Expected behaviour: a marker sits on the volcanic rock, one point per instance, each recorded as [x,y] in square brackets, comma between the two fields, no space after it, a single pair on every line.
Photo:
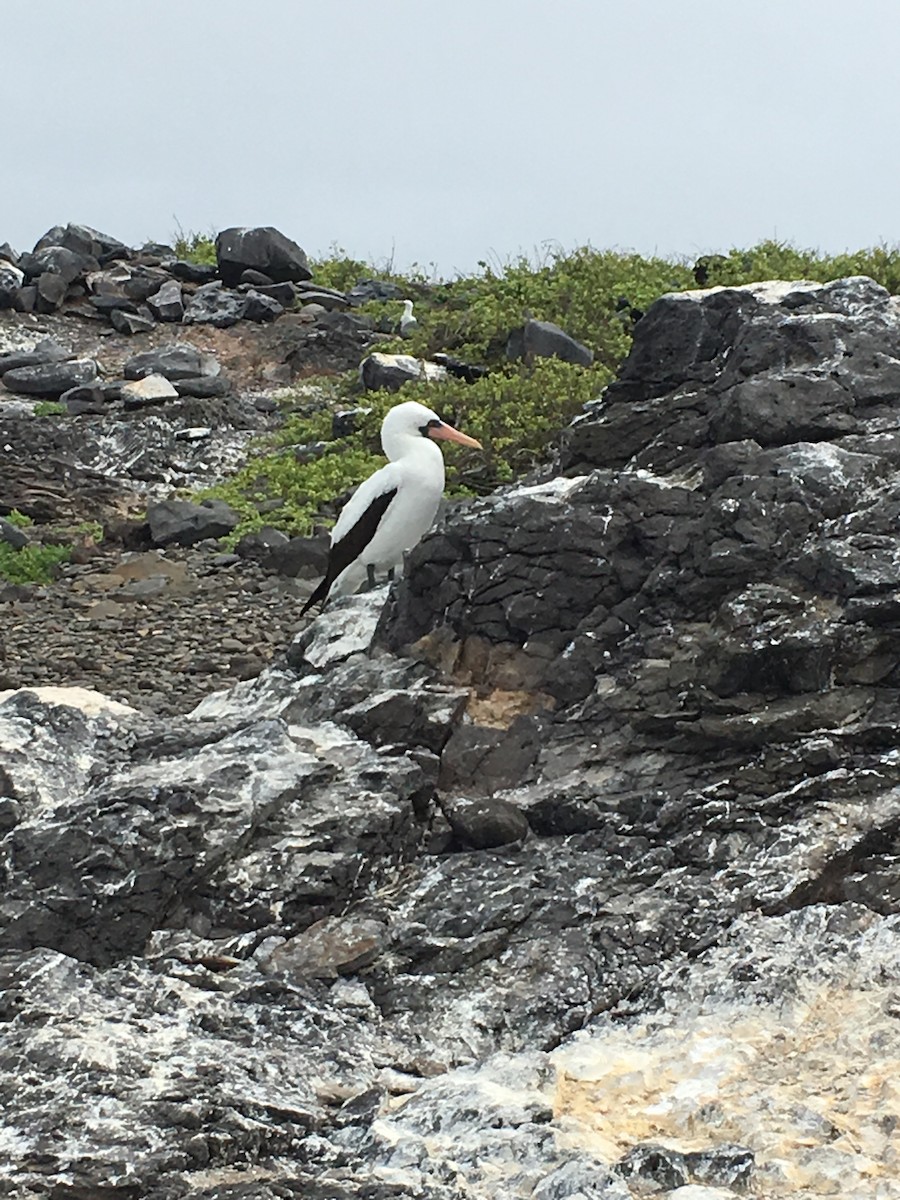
[167,304]
[49,379]
[177,360]
[543,339]
[213,304]
[150,389]
[260,249]
[183,523]
[391,371]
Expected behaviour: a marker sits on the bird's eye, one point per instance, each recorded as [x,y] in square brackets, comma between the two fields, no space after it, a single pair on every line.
[434,423]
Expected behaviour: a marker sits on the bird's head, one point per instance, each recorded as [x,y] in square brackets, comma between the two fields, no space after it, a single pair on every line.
[412,419]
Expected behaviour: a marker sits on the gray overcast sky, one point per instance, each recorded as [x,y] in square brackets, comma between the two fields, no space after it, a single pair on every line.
[445,132]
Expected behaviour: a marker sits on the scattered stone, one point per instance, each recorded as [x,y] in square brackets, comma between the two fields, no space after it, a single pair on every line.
[373,289]
[84,241]
[485,823]
[300,556]
[261,308]
[11,279]
[25,299]
[51,291]
[177,360]
[260,544]
[203,387]
[284,293]
[131,322]
[12,535]
[255,278]
[57,260]
[213,304]
[181,523]
[260,249]
[167,304]
[46,351]
[191,272]
[50,379]
[151,389]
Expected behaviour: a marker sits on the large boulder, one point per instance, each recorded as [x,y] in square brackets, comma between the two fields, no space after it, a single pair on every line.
[260,249]
[181,523]
[177,360]
[543,339]
[50,380]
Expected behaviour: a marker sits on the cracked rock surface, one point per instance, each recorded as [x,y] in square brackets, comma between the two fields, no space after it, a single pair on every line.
[566,868]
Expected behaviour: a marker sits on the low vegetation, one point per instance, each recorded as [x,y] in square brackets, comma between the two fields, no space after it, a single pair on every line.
[31,564]
[516,410]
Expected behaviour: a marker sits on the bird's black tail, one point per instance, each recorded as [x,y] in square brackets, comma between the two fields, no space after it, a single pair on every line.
[320,593]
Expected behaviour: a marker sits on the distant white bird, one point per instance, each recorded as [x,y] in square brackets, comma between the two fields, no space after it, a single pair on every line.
[408,323]
[393,509]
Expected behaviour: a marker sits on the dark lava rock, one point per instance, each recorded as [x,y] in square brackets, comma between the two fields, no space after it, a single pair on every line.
[203,386]
[663,1168]
[213,304]
[191,272]
[51,291]
[389,372]
[12,535]
[180,523]
[261,308]
[543,339]
[167,304]
[345,422]
[284,293]
[84,241]
[46,351]
[57,260]
[260,249]
[177,360]
[11,279]
[255,278]
[25,299]
[374,289]
[300,556]
[484,824]
[7,254]
[260,544]
[50,379]
[91,397]
[131,322]
[459,369]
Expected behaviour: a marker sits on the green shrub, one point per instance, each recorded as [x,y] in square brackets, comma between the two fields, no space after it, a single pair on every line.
[31,564]
[516,410]
[196,247]
[49,408]
[21,520]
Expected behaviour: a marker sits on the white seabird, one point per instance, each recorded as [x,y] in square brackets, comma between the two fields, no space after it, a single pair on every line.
[393,509]
[408,323]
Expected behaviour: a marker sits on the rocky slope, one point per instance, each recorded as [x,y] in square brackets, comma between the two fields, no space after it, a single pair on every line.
[568,868]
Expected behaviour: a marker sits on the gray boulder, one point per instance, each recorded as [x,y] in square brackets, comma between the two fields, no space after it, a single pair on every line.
[389,372]
[213,304]
[167,303]
[12,535]
[177,360]
[181,523]
[51,379]
[260,249]
[543,339]
[84,241]
[11,279]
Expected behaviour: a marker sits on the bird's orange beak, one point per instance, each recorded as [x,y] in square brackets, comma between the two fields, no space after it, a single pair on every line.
[446,433]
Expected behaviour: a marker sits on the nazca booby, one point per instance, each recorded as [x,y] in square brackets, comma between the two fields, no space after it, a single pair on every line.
[393,509]
[408,323]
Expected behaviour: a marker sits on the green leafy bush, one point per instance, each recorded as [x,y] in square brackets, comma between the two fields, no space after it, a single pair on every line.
[196,247]
[49,408]
[31,564]
[20,519]
[516,410]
